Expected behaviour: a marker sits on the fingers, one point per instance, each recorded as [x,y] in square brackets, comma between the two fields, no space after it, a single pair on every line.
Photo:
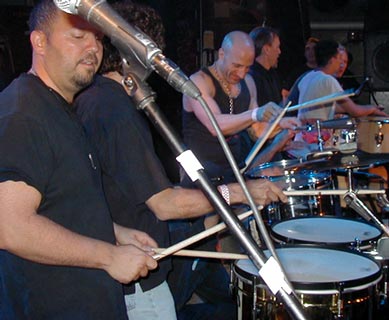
[268,112]
[128,263]
[264,191]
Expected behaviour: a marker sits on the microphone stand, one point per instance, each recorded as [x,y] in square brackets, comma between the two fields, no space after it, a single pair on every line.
[270,271]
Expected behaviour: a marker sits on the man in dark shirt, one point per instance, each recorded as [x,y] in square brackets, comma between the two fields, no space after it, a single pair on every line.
[264,73]
[267,51]
[136,187]
[61,255]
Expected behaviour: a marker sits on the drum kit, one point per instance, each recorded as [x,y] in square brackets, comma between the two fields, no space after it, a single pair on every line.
[336,261]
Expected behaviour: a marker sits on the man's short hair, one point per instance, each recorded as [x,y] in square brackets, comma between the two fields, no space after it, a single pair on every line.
[325,50]
[42,16]
[262,36]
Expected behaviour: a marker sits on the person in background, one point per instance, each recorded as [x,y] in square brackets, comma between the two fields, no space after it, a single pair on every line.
[264,70]
[264,73]
[138,192]
[62,257]
[345,77]
[309,65]
[322,82]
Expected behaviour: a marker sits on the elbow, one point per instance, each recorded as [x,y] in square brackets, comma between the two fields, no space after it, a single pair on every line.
[5,241]
[212,131]
[162,215]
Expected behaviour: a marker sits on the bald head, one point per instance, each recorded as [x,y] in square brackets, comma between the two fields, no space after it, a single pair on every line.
[236,55]
[237,39]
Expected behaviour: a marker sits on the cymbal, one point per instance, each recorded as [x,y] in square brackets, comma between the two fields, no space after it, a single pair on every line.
[358,159]
[341,123]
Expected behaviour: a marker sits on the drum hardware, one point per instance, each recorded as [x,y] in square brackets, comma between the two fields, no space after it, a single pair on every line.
[320,139]
[356,204]
[383,202]
[379,137]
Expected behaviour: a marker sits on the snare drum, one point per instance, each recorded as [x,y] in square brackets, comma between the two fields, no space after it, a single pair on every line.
[288,175]
[372,132]
[276,168]
[328,282]
[326,230]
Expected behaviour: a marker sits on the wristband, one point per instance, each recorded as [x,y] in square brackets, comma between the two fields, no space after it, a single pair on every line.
[225,193]
[254,114]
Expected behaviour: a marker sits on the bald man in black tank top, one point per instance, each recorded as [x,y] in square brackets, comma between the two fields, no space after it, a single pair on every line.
[230,93]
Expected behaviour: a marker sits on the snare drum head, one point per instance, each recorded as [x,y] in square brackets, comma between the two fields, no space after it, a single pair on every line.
[328,230]
[311,268]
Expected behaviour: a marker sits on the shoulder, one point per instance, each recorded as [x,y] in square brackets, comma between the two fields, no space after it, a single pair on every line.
[204,81]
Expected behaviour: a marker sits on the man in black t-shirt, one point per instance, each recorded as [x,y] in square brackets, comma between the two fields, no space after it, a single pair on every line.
[61,255]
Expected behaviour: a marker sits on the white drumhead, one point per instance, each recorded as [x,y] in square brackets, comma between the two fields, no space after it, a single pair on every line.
[318,265]
[329,230]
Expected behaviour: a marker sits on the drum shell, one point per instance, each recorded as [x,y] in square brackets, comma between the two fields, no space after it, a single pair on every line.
[370,131]
[320,301]
[301,206]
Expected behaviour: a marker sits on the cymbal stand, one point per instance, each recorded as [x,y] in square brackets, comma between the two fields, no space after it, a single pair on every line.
[355,203]
[320,140]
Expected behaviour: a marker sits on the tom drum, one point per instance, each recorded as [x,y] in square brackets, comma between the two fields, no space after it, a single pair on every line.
[333,231]
[373,134]
[330,283]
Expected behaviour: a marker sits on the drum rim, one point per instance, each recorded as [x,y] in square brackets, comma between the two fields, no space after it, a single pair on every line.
[325,176]
[274,164]
[284,238]
[321,287]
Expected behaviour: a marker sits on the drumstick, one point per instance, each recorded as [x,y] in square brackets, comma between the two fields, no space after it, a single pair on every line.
[201,235]
[205,254]
[329,192]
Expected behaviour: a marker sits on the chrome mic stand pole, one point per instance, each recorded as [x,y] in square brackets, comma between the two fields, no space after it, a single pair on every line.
[270,271]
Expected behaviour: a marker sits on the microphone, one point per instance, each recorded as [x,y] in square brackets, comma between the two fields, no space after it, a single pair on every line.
[130,41]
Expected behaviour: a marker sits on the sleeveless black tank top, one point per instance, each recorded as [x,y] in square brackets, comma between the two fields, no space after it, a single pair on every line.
[205,146]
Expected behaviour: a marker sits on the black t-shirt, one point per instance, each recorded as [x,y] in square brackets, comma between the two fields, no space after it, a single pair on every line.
[132,172]
[43,145]
[267,83]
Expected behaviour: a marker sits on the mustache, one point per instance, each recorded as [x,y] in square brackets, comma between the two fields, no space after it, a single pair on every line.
[90,57]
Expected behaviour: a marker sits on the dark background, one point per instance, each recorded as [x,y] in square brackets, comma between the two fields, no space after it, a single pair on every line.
[195,28]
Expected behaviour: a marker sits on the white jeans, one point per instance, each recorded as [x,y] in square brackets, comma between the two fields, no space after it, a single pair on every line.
[154,304]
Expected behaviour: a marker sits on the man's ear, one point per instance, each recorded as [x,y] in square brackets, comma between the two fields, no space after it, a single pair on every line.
[38,41]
